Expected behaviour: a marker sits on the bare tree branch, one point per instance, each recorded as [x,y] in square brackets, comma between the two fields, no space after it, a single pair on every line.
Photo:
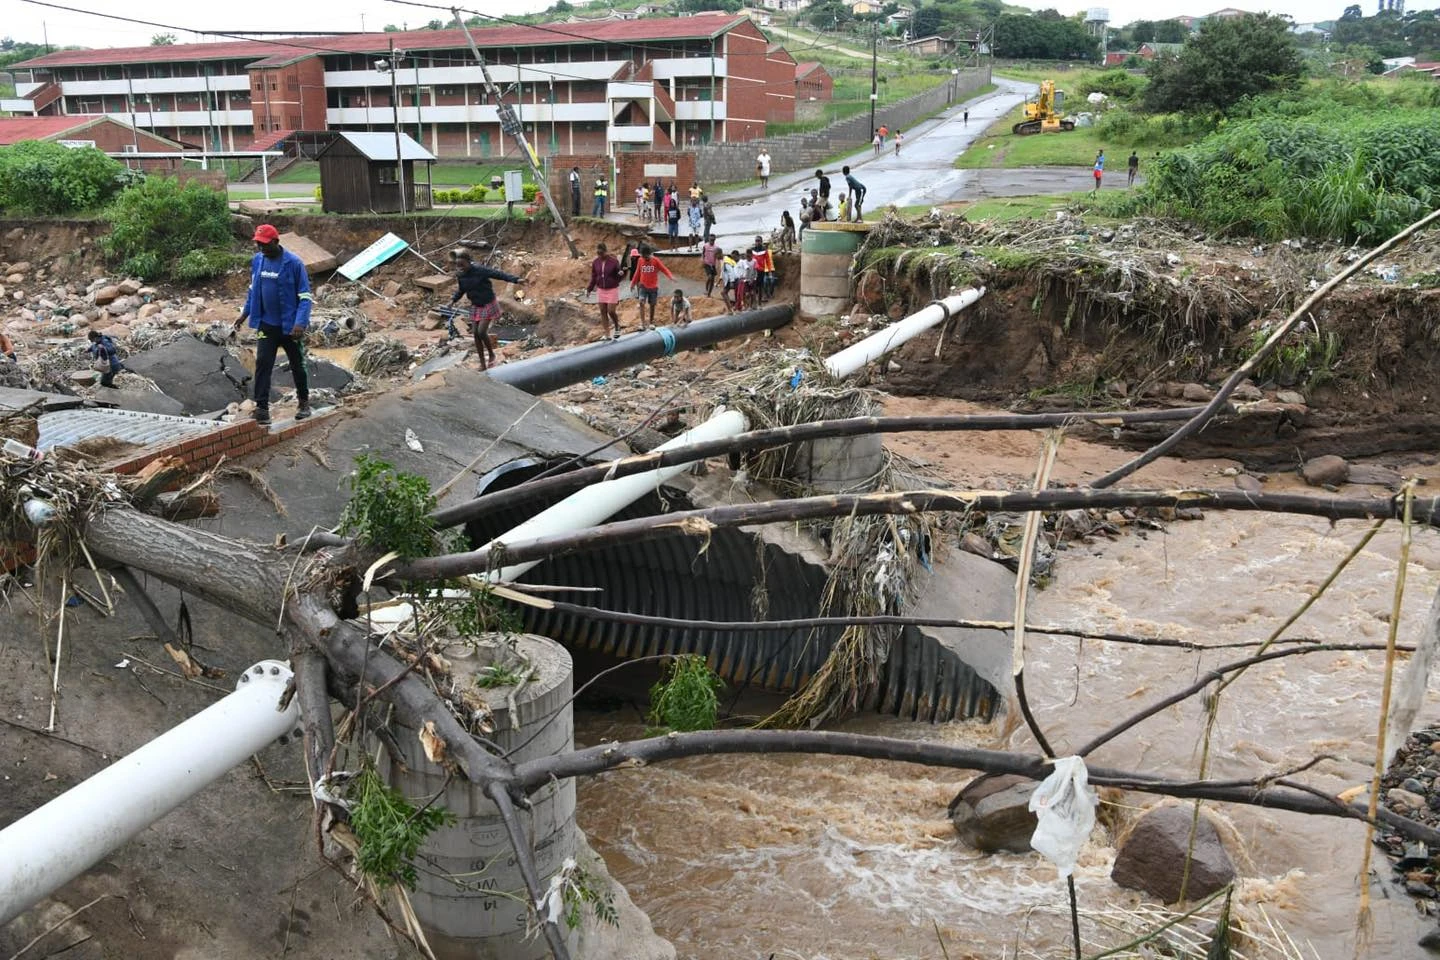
[639,753]
[781,436]
[700,523]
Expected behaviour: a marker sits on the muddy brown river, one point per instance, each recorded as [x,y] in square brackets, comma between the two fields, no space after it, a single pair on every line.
[741,857]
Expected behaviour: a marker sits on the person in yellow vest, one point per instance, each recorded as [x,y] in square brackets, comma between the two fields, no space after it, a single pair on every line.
[602,191]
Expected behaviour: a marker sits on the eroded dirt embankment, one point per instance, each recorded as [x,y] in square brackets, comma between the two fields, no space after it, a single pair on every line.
[1076,317]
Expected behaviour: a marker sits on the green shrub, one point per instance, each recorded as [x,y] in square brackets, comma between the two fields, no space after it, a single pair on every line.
[204,263]
[48,179]
[1352,174]
[319,196]
[686,698]
[389,509]
[476,194]
[529,192]
[156,224]
[1115,84]
[1158,130]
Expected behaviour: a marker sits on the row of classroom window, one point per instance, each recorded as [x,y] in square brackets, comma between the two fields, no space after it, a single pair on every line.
[376,97]
[580,53]
[450,139]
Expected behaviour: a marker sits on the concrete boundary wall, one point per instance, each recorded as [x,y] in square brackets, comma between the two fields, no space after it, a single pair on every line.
[735,162]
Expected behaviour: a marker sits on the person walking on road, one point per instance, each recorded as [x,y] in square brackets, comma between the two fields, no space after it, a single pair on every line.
[899,141]
[884,132]
[877,143]
[605,276]
[1099,169]
[574,191]
[762,167]
[645,282]
[472,282]
[278,307]
[1132,167]
[857,194]
[967,118]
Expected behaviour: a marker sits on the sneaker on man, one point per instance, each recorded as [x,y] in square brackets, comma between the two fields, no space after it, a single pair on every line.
[304,413]
[261,414]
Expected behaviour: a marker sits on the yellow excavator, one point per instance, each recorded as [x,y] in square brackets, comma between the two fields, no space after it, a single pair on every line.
[1043,114]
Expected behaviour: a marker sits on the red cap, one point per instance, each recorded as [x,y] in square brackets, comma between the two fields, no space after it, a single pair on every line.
[266,234]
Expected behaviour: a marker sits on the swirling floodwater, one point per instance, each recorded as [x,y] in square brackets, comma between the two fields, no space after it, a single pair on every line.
[831,858]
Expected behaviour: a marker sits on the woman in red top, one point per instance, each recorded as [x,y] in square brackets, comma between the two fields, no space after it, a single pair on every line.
[647,279]
[605,276]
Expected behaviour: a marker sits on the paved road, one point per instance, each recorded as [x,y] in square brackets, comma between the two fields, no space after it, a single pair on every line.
[922,173]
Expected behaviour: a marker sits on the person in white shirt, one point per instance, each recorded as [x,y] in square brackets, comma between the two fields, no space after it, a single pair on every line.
[762,167]
[574,191]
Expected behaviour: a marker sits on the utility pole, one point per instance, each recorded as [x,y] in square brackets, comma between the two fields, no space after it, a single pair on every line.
[395,116]
[874,83]
[511,125]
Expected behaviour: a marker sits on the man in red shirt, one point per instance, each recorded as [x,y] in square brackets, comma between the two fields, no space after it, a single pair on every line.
[647,278]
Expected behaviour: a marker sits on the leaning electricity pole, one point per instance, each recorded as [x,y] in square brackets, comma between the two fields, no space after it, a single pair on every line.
[511,125]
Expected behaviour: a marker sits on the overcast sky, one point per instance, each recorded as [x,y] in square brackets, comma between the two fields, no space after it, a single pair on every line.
[29,22]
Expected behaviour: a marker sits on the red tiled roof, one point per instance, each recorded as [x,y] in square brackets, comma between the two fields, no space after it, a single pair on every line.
[699,27]
[801,69]
[15,129]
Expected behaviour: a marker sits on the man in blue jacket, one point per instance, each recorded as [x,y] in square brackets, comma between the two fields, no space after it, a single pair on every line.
[279,308]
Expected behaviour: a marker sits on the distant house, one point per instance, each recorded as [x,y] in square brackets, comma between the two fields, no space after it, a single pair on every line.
[903,13]
[1419,66]
[932,46]
[864,8]
[649,10]
[359,173]
[1322,29]
[1116,58]
[785,6]
[1159,51]
[813,82]
[1187,22]
[1227,12]
[102,132]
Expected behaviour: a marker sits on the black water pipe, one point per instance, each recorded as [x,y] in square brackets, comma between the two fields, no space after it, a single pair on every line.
[560,369]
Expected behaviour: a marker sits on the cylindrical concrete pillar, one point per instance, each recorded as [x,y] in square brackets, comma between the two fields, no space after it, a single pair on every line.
[826,256]
[470,898]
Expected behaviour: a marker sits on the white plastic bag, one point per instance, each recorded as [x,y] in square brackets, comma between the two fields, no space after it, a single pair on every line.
[1065,806]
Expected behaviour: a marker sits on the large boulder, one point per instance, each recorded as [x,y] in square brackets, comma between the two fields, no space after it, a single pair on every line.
[1151,857]
[993,813]
[1326,471]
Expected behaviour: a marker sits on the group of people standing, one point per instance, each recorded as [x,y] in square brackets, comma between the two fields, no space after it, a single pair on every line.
[664,205]
[818,206]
